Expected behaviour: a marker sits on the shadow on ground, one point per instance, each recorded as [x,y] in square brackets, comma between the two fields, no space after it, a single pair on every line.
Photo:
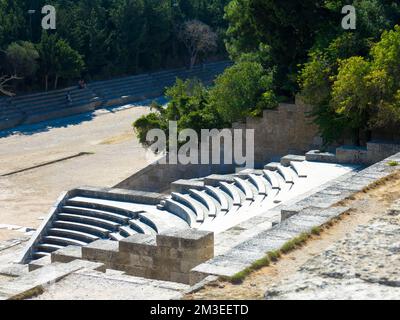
[73,120]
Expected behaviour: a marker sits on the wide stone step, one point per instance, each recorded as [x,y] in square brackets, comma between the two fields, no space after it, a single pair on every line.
[72,234]
[100,204]
[127,231]
[245,187]
[260,183]
[63,241]
[233,191]
[107,224]
[192,204]
[299,168]
[141,227]
[163,220]
[116,236]
[207,200]
[81,227]
[181,211]
[272,178]
[220,196]
[47,247]
[114,217]
[286,173]
[40,254]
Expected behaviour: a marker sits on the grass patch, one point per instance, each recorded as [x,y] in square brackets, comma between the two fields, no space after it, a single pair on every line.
[392,163]
[34,292]
[274,255]
[316,231]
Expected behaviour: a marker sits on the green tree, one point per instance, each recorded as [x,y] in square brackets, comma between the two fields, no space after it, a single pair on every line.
[58,59]
[351,95]
[22,57]
[68,62]
[242,90]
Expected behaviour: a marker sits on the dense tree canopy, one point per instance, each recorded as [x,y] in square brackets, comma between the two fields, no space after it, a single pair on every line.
[105,38]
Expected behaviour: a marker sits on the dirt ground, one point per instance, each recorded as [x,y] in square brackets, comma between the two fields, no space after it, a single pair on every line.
[366,206]
[112,153]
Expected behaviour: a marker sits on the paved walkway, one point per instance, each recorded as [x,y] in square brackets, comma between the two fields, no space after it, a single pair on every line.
[113,154]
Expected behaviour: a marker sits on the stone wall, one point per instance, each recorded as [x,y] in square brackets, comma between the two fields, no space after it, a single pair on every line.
[169,256]
[278,133]
[285,130]
[158,177]
[374,152]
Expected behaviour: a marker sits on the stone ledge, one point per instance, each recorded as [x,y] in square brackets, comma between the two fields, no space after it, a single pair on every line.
[317,156]
[16,289]
[67,254]
[286,160]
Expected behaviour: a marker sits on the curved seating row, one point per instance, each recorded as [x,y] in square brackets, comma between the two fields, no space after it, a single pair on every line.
[85,218]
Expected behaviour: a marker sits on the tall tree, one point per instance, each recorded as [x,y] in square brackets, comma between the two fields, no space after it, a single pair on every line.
[198,39]
[22,58]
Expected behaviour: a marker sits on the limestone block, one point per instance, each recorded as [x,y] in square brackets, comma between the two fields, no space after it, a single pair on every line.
[37,264]
[351,154]
[102,250]
[186,239]
[318,156]
[139,244]
[67,254]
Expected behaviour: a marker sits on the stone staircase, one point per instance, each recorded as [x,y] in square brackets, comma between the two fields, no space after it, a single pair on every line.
[33,108]
[214,203]
[145,86]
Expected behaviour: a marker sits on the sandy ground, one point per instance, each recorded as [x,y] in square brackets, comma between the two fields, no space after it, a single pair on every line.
[107,135]
[367,206]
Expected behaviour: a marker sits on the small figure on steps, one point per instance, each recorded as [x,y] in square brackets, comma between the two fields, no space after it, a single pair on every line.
[69,98]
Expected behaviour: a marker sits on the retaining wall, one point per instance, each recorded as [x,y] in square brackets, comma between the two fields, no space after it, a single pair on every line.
[169,256]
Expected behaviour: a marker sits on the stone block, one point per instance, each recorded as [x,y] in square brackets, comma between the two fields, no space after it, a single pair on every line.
[67,254]
[102,250]
[139,244]
[352,154]
[286,160]
[39,263]
[318,156]
[186,239]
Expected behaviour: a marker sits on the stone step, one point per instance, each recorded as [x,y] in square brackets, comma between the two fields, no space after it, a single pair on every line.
[116,236]
[220,196]
[141,227]
[47,247]
[233,191]
[207,200]
[260,182]
[40,254]
[114,217]
[81,227]
[101,204]
[272,178]
[181,211]
[163,220]
[244,185]
[72,234]
[62,241]
[192,204]
[107,224]
[299,168]
[286,173]
[286,160]
[127,231]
